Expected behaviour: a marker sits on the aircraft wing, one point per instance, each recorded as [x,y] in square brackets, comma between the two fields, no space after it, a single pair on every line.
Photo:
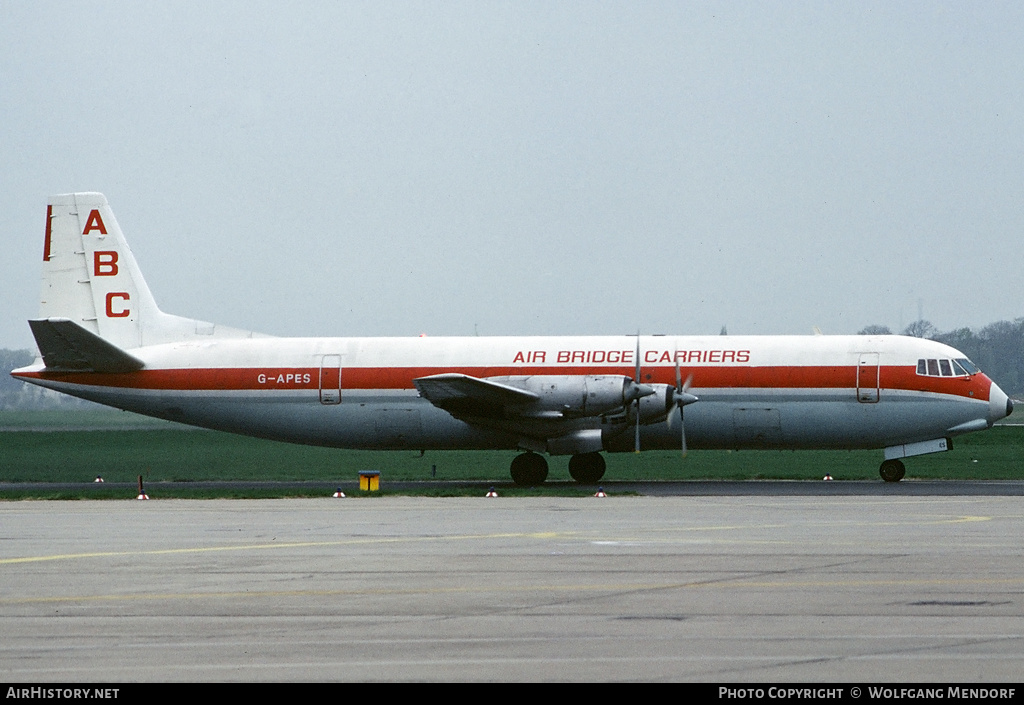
[463,395]
[66,345]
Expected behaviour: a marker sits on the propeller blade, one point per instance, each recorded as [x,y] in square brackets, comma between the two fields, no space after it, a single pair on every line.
[683,387]
[636,419]
[637,373]
[682,397]
[636,425]
[682,431]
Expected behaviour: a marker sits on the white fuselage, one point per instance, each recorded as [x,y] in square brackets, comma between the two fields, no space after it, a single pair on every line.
[754,391]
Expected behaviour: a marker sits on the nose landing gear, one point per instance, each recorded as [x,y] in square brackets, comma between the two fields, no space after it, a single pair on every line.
[892,470]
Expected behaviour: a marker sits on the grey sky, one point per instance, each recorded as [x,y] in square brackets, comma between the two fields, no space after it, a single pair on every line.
[528,168]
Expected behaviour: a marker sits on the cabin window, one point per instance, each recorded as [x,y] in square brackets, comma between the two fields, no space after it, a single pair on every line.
[946,368]
[933,368]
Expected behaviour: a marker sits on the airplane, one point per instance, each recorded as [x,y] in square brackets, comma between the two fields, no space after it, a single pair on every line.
[102,337]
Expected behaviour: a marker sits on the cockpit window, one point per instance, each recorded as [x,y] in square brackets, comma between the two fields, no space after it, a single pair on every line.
[969,366]
[961,367]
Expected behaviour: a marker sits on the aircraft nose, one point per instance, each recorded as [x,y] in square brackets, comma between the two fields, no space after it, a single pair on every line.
[999,405]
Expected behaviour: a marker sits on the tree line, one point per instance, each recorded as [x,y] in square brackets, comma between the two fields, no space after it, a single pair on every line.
[15,394]
[998,348]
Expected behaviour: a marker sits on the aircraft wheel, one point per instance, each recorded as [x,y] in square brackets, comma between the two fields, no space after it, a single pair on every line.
[892,471]
[587,468]
[529,469]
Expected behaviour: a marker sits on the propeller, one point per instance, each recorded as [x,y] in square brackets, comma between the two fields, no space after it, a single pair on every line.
[636,408]
[681,397]
[642,390]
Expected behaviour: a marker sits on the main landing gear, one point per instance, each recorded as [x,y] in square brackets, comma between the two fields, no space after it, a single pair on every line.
[531,469]
[892,471]
[587,468]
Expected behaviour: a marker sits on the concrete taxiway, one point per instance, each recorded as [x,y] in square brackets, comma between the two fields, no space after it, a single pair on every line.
[872,587]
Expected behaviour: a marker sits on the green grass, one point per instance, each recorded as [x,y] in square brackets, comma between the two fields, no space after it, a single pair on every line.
[128,447]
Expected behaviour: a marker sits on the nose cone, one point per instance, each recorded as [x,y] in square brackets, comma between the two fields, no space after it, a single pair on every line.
[999,405]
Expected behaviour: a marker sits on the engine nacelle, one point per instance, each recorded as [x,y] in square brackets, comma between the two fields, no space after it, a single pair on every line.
[579,395]
[657,406]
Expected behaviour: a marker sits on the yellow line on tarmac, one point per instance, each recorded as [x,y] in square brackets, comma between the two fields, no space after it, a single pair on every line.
[413,539]
[283,544]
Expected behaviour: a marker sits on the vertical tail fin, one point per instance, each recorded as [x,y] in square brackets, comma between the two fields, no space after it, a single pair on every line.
[89,273]
[90,277]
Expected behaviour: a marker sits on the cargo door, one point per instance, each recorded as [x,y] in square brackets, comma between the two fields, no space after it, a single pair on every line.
[330,379]
[867,378]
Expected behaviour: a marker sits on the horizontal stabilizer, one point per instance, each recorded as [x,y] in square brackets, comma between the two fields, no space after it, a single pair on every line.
[65,345]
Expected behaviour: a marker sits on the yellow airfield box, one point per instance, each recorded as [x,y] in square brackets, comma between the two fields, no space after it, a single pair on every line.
[369,480]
